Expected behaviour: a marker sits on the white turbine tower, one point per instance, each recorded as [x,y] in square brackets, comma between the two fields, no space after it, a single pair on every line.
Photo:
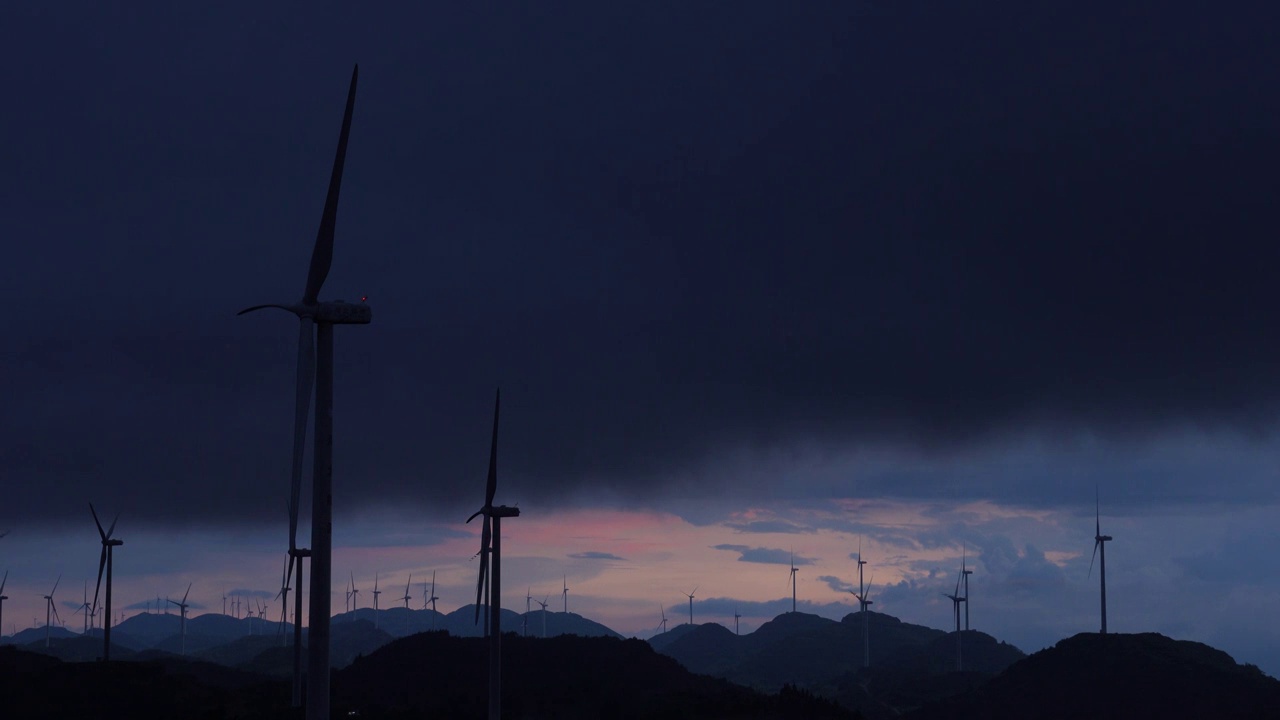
[315,366]
[433,600]
[50,608]
[491,544]
[1100,543]
[182,608]
[543,603]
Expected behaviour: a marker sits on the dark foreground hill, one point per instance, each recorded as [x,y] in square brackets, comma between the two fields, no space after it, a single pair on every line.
[910,664]
[36,687]
[1119,676]
[435,675]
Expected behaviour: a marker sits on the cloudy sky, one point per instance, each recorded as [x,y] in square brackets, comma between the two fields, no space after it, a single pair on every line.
[754,280]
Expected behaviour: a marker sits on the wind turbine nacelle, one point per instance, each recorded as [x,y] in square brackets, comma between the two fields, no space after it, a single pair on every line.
[343,313]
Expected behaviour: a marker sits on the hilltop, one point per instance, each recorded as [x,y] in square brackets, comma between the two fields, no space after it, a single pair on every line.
[1144,675]
[910,664]
[565,677]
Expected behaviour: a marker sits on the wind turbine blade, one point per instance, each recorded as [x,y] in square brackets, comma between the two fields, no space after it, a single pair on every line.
[95,522]
[433,583]
[322,254]
[102,563]
[301,411]
[1094,557]
[6,579]
[491,486]
[55,585]
[1097,512]
[185,594]
[484,564]
[111,530]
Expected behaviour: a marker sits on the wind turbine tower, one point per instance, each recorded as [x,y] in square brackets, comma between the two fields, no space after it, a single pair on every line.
[965,572]
[315,366]
[48,608]
[491,545]
[1100,544]
[543,603]
[433,600]
[105,561]
[3,597]
[793,581]
[182,608]
[956,598]
[690,596]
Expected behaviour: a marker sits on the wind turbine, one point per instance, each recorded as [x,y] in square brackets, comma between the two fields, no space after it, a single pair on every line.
[406,597]
[49,607]
[956,599]
[864,602]
[793,582]
[348,601]
[735,621]
[528,598]
[491,544]
[315,365]
[105,560]
[965,572]
[182,609]
[355,593]
[1100,542]
[543,603]
[565,583]
[376,593]
[690,596]
[433,600]
[84,608]
[664,617]
[283,596]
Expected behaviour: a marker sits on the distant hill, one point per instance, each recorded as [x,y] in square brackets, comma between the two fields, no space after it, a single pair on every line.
[1119,676]
[566,677]
[910,664]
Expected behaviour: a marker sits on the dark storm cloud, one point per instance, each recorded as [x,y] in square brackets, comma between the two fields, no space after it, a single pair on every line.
[593,555]
[664,230]
[771,556]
